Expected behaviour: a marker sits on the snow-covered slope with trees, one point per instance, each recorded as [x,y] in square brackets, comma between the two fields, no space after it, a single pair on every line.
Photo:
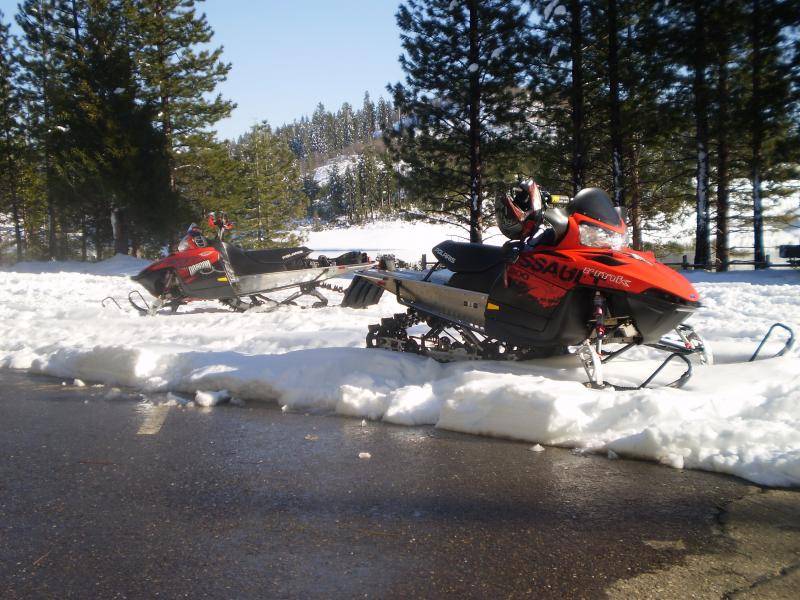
[735,417]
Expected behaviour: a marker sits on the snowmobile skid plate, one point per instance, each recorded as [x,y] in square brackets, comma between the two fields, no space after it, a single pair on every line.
[246,285]
[464,307]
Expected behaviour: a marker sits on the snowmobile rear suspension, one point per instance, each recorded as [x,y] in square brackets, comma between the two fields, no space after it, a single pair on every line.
[445,341]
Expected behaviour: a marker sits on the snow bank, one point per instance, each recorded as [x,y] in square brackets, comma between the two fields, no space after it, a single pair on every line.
[735,418]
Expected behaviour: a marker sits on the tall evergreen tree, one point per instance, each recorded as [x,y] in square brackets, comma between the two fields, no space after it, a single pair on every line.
[272,196]
[11,139]
[464,102]
[369,123]
[615,104]
[111,158]
[178,69]
[772,136]
[40,84]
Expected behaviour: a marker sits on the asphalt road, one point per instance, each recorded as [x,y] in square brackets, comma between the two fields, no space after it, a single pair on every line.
[102,495]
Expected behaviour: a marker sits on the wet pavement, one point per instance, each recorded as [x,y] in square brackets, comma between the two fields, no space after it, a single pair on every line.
[102,495]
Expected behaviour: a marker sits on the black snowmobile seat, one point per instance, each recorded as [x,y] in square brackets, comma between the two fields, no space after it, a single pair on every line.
[254,262]
[463,257]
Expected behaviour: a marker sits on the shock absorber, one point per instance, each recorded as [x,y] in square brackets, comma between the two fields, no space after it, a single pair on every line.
[599,321]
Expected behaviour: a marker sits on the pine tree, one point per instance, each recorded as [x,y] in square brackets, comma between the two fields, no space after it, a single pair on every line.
[729,25]
[11,139]
[615,105]
[178,71]
[772,136]
[464,102]
[39,82]
[384,115]
[369,124]
[272,196]
[318,133]
[211,178]
[110,158]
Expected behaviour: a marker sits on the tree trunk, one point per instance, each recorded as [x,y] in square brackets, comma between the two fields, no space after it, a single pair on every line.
[119,225]
[63,245]
[99,218]
[756,137]
[475,175]
[723,176]
[18,238]
[15,212]
[702,253]
[576,98]
[635,213]
[84,239]
[617,170]
[52,241]
[165,99]
[135,241]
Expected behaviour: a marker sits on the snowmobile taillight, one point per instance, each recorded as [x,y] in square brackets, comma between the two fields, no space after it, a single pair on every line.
[595,236]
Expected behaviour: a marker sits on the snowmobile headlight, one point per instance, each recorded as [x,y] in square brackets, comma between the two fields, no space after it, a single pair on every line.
[600,237]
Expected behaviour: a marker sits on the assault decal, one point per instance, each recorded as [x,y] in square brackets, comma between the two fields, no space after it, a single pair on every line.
[539,264]
[203,267]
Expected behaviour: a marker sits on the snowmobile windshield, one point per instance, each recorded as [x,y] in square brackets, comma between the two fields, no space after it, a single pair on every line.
[185,243]
[595,204]
[193,239]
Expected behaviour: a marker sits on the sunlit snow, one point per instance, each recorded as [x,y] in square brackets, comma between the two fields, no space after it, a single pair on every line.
[735,417]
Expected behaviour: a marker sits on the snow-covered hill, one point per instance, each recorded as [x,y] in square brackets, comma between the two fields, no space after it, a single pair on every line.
[323,173]
[736,417]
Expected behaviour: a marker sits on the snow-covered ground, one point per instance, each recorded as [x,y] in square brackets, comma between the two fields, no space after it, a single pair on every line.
[681,230]
[407,240]
[735,417]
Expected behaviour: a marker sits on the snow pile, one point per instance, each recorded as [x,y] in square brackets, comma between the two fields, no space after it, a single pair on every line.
[202,398]
[736,417]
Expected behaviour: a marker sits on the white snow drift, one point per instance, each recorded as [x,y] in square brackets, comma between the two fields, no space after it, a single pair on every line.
[736,417]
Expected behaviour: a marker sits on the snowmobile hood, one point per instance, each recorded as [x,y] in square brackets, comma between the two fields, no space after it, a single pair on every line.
[631,271]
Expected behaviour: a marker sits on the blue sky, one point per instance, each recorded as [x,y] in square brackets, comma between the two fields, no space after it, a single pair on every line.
[288,55]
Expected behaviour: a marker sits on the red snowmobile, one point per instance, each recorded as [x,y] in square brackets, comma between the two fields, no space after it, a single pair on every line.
[204,269]
[567,281]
